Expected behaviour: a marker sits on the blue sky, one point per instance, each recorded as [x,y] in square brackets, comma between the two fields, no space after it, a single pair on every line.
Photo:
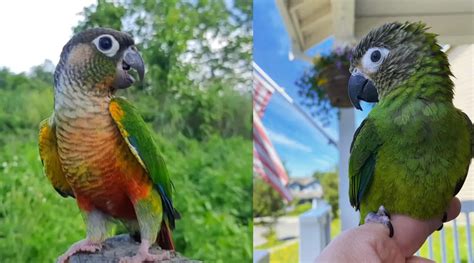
[300,146]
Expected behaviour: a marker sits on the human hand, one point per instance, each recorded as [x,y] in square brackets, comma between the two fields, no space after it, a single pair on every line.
[371,242]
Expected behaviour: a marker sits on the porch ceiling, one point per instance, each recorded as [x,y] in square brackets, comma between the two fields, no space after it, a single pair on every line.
[311,21]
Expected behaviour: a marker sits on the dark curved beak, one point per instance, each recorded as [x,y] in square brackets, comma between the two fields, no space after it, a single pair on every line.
[361,88]
[132,58]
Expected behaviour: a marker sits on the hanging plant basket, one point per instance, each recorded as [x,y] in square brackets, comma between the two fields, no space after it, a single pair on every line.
[323,87]
[336,85]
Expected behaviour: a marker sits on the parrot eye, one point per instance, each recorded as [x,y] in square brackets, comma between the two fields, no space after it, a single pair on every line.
[107,44]
[373,58]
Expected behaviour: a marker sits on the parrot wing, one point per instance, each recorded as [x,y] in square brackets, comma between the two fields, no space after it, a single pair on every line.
[470,126]
[141,143]
[48,149]
[364,148]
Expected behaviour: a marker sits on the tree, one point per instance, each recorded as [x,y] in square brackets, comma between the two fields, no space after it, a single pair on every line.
[266,200]
[330,183]
[198,53]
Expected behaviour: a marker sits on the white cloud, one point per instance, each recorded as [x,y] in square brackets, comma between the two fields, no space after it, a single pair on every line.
[282,139]
[33,31]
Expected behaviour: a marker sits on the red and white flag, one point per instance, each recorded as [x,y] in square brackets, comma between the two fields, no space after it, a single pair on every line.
[266,162]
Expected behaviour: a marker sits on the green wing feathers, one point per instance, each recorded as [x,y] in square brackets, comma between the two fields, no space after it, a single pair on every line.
[48,149]
[140,141]
[471,128]
[362,161]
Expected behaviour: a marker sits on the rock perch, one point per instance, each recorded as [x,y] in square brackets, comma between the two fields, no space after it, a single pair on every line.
[120,246]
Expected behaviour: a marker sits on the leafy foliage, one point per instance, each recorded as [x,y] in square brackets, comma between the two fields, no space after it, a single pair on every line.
[330,183]
[196,52]
[266,200]
[314,83]
[199,107]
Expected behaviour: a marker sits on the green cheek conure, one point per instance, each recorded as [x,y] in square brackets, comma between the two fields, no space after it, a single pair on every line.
[411,154]
[97,148]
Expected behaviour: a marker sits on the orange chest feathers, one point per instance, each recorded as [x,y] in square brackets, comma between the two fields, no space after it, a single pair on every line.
[102,171]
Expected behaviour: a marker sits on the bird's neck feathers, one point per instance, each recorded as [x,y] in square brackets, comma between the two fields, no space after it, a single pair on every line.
[80,99]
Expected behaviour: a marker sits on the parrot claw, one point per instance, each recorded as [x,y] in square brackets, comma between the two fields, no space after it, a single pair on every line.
[143,255]
[445,218]
[382,217]
[81,246]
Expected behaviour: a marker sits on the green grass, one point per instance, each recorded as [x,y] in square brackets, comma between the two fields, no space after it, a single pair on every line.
[285,253]
[272,241]
[35,223]
[299,209]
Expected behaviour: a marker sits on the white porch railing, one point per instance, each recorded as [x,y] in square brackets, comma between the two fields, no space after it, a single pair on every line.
[463,219]
[315,227]
[315,231]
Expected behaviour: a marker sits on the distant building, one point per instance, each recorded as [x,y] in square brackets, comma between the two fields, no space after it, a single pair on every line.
[305,189]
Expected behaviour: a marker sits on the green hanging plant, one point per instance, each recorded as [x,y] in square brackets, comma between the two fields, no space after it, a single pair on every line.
[323,87]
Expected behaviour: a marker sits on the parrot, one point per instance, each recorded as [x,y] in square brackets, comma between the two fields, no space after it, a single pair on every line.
[412,152]
[96,148]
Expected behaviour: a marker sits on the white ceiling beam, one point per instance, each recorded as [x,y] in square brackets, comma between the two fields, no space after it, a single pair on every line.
[319,31]
[343,17]
[291,28]
[412,8]
[459,29]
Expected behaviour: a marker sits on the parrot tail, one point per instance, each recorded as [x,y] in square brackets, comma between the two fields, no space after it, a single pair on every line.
[165,238]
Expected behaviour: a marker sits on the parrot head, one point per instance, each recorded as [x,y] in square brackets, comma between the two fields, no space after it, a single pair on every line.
[98,60]
[388,56]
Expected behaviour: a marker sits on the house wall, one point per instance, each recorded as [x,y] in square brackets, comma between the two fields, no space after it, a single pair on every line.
[462,65]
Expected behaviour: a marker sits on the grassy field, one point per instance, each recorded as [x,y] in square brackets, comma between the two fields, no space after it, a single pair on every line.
[30,206]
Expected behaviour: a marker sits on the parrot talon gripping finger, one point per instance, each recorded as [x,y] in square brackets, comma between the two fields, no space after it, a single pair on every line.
[381,217]
[81,246]
[445,218]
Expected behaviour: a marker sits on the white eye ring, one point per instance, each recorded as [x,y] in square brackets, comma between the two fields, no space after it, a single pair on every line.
[368,64]
[107,44]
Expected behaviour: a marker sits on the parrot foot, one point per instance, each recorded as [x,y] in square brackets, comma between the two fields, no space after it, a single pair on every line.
[143,255]
[382,217]
[445,218]
[82,246]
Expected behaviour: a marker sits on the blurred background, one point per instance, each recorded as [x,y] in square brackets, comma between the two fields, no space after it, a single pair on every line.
[306,122]
[196,98]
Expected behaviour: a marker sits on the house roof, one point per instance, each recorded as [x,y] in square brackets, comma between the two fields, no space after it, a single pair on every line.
[302,181]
